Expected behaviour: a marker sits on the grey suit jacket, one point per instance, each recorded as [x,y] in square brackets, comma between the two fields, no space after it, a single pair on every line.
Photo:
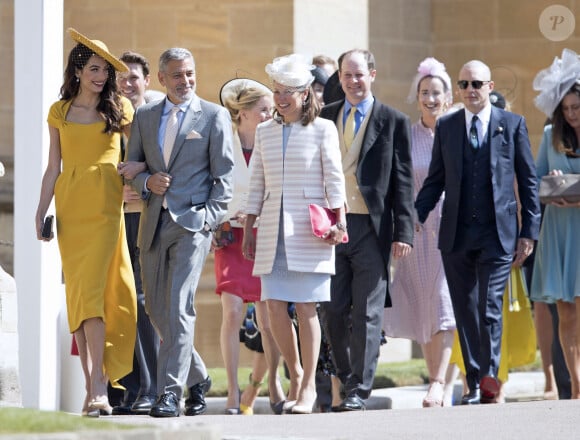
[510,159]
[201,166]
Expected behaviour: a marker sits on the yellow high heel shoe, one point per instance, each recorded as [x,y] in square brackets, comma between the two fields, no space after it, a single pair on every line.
[247,410]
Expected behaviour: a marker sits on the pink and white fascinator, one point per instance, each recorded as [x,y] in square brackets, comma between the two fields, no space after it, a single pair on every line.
[554,82]
[430,67]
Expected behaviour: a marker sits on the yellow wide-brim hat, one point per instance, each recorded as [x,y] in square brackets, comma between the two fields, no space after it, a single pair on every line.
[99,48]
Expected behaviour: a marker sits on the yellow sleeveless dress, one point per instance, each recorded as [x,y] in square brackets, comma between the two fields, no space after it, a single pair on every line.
[91,235]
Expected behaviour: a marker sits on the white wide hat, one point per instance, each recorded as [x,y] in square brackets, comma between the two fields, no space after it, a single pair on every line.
[554,82]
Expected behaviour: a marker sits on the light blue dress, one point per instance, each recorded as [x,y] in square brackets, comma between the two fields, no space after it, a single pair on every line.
[556,274]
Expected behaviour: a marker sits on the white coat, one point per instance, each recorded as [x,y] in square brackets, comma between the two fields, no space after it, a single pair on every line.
[310,172]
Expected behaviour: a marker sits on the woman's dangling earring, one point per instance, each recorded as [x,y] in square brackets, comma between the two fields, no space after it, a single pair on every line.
[77,79]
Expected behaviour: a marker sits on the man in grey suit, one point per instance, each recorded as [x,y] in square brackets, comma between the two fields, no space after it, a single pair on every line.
[187,145]
[478,153]
[376,160]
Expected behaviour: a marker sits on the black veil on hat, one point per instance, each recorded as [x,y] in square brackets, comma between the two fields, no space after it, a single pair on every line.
[99,48]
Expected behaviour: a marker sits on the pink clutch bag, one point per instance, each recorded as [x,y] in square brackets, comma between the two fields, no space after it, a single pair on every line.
[322,219]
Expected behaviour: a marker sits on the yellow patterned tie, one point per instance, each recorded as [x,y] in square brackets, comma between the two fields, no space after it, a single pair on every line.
[349,128]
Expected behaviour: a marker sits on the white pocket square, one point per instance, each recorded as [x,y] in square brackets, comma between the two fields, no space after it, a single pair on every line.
[193,135]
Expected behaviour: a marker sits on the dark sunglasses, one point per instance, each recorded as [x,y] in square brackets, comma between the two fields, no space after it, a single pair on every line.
[477,84]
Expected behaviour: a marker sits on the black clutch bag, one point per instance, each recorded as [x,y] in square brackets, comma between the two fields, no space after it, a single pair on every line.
[47,226]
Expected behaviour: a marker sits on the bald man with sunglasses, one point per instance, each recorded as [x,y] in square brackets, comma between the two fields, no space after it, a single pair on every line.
[478,153]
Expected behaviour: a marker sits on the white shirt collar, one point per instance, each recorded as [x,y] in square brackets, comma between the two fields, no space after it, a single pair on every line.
[484,117]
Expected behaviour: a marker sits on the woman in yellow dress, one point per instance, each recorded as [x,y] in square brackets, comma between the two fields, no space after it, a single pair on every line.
[85,128]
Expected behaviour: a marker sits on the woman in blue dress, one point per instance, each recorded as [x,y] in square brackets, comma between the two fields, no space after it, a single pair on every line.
[556,275]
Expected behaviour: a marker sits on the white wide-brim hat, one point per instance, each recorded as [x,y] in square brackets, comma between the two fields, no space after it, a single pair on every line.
[99,48]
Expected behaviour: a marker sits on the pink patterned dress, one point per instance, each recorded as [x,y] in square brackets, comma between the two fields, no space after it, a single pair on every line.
[421,301]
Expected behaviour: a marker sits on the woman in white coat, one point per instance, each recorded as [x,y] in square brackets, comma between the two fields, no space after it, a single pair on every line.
[296,162]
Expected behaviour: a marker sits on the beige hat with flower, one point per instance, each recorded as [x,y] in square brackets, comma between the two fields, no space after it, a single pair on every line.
[292,70]
[99,48]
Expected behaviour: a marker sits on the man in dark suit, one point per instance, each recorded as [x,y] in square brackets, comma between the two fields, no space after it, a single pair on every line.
[187,145]
[141,384]
[478,153]
[376,157]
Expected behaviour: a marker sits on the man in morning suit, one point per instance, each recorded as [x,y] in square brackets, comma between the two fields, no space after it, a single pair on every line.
[186,143]
[478,152]
[376,157]
[141,384]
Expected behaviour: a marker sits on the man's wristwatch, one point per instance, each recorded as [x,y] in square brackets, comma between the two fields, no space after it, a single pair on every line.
[341,226]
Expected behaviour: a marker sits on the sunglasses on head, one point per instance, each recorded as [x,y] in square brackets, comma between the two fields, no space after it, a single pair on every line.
[476,84]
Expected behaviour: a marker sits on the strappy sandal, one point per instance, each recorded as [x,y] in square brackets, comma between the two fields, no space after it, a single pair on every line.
[434,397]
[245,409]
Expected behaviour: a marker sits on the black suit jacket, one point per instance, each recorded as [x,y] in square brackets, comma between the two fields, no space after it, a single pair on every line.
[384,173]
[510,159]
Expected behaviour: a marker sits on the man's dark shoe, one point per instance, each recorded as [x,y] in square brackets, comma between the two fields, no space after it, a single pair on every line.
[352,403]
[124,407]
[471,398]
[195,403]
[122,410]
[142,404]
[166,406]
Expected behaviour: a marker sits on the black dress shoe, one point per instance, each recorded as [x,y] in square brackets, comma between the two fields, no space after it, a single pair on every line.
[166,406]
[124,409]
[352,403]
[471,398]
[143,404]
[195,403]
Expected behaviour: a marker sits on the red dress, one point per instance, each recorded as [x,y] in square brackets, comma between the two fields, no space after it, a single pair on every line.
[233,273]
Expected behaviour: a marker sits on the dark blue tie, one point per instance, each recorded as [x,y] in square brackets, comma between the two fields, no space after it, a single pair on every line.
[473,139]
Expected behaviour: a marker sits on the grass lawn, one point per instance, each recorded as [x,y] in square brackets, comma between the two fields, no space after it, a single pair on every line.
[24,420]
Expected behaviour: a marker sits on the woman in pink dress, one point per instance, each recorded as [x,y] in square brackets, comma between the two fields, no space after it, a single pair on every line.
[422,309]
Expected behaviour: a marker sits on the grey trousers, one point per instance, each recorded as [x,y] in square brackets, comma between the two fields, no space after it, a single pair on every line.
[171,269]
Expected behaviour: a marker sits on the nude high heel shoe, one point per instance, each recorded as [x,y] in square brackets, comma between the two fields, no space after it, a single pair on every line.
[434,397]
